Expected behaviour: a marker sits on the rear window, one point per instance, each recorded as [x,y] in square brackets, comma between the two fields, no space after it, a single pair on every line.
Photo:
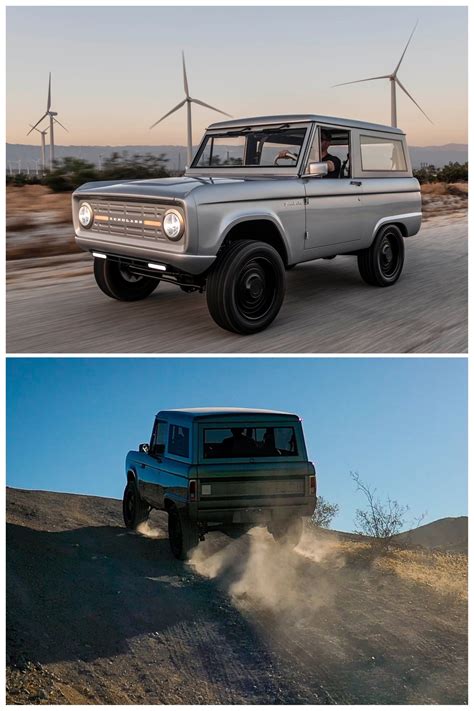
[249,442]
[178,441]
[382,154]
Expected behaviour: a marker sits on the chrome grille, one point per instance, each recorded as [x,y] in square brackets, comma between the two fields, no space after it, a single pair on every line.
[212,488]
[128,219]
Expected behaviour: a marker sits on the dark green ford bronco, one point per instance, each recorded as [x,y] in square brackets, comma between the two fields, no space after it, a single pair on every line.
[222,469]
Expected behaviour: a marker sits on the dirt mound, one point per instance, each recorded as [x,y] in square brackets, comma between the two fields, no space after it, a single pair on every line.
[97,614]
[449,535]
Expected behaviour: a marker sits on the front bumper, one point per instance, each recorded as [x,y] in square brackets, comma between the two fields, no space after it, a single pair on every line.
[193,264]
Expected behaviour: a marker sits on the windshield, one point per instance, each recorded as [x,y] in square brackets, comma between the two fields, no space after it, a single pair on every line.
[277,146]
[250,442]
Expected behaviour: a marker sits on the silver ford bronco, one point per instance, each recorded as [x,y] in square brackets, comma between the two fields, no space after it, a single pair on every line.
[222,469]
[261,195]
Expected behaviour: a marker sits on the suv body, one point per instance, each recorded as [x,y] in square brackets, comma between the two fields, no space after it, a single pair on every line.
[241,214]
[221,469]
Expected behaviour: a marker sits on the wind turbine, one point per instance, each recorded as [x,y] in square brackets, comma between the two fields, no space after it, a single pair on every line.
[394,80]
[188,100]
[43,146]
[52,120]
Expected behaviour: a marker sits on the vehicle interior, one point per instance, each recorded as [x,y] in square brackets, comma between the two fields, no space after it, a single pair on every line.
[250,442]
[339,146]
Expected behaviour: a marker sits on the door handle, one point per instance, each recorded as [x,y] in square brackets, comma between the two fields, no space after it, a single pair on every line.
[356,182]
[142,465]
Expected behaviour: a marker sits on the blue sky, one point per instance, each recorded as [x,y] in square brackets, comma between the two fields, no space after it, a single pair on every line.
[401,423]
[116,70]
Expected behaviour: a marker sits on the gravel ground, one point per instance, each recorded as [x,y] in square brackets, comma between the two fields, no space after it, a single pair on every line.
[99,615]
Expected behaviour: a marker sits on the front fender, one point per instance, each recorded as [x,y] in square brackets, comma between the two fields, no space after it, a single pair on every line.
[237,218]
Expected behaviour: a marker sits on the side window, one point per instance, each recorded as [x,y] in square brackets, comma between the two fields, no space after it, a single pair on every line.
[158,438]
[178,441]
[382,154]
[333,144]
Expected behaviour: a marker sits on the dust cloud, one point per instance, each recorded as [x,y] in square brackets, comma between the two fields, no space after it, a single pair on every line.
[150,530]
[258,572]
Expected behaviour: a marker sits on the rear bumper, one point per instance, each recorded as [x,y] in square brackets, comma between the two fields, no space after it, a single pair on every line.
[251,512]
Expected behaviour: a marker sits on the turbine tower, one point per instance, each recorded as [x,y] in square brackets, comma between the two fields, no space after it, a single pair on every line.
[188,100]
[52,120]
[394,80]
[43,146]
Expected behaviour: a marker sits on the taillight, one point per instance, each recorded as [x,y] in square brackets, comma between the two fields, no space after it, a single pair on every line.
[192,490]
[312,484]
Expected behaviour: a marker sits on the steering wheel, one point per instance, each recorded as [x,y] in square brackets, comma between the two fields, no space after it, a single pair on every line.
[289,156]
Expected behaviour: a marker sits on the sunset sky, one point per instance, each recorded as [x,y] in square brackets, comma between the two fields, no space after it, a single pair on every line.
[116,70]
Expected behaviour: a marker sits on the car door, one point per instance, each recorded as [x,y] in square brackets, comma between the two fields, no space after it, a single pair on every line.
[335,220]
[151,465]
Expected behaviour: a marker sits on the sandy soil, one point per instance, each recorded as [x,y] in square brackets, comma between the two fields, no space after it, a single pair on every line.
[96,614]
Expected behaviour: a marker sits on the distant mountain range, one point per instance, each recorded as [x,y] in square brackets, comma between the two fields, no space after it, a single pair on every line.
[434,155]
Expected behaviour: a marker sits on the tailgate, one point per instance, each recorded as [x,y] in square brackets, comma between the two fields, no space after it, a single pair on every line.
[238,485]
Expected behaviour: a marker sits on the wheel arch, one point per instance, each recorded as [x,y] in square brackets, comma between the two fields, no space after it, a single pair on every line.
[265,228]
[131,475]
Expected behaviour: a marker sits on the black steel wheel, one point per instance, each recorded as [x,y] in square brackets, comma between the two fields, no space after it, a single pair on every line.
[135,511]
[183,534]
[382,263]
[115,280]
[246,287]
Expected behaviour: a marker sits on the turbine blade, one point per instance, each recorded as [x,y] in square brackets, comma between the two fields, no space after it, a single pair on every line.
[411,97]
[59,122]
[358,81]
[36,124]
[49,94]
[401,58]
[208,106]
[169,113]
[185,79]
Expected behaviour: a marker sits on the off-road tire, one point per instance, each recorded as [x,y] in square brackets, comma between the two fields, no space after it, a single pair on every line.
[134,510]
[246,286]
[382,263]
[114,280]
[183,534]
[287,533]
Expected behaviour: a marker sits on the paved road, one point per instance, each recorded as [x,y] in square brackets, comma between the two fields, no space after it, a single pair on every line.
[328,309]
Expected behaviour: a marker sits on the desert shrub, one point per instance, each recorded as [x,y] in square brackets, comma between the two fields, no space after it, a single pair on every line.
[324,512]
[69,173]
[381,520]
[122,166]
[453,172]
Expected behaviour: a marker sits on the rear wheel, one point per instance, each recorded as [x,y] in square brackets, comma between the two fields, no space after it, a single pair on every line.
[183,534]
[382,263]
[246,287]
[134,510]
[287,532]
[115,280]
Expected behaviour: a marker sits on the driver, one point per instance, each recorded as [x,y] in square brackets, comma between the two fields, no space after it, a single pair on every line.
[334,164]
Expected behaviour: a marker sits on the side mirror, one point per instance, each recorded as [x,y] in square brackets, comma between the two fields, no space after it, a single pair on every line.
[145,448]
[317,170]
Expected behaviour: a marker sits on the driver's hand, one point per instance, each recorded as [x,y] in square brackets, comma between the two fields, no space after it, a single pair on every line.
[283,154]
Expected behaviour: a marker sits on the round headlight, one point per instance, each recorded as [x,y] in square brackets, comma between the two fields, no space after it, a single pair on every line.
[173,225]
[86,215]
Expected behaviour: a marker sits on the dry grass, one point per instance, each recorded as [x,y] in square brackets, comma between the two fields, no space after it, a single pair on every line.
[444,573]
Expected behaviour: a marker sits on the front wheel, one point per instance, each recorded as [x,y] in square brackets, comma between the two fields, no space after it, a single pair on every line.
[115,280]
[183,534]
[135,511]
[382,263]
[246,287]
